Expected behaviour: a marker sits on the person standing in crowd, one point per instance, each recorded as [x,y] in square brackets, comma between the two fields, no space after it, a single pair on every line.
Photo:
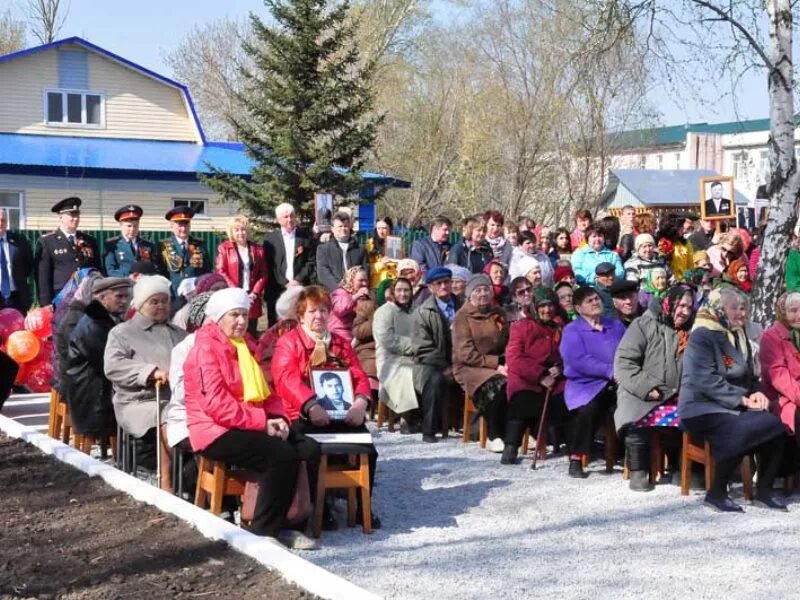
[16,265]
[737,274]
[672,246]
[62,252]
[353,289]
[529,248]
[339,254]
[433,348]
[521,296]
[381,267]
[129,247]
[627,232]
[730,247]
[511,231]
[181,256]
[610,228]
[625,296]
[703,238]
[643,259]
[563,245]
[498,275]
[290,258]
[604,278]
[242,264]
[564,274]
[480,335]
[433,251]
[792,275]
[501,248]
[578,237]
[472,251]
[587,348]
[720,402]
[586,259]
[648,366]
[88,392]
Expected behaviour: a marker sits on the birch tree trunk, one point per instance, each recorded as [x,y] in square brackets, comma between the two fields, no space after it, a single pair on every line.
[784,182]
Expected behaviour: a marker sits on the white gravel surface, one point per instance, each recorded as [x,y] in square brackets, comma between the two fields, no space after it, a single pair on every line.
[457,524]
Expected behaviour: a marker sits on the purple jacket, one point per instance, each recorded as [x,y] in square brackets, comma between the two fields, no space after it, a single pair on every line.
[588,358]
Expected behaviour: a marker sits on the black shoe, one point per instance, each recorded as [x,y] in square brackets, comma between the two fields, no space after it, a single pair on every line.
[640,481]
[509,455]
[328,520]
[429,438]
[405,429]
[374,521]
[723,504]
[576,469]
[767,499]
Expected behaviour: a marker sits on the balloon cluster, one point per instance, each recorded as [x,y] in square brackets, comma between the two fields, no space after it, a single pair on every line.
[26,341]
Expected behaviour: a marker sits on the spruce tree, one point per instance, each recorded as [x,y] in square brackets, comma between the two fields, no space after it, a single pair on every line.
[309,102]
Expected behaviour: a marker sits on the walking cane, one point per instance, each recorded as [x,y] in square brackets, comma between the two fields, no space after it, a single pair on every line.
[158,433]
[542,420]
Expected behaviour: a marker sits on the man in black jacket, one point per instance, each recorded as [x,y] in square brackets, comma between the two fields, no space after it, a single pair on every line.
[16,265]
[339,254]
[290,257]
[87,389]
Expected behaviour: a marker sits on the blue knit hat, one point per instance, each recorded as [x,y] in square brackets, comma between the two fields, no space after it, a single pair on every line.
[436,274]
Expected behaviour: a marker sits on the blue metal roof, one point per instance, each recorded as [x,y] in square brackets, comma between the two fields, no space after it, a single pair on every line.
[104,157]
[655,187]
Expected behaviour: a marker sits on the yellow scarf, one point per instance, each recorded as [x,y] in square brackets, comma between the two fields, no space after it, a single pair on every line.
[253,382]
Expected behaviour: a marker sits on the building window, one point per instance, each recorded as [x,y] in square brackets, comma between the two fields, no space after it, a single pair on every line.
[11,202]
[677,160]
[660,162]
[74,108]
[739,164]
[763,162]
[643,162]
[198,206]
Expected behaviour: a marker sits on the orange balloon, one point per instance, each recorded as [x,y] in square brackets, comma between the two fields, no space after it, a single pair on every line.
[23,346]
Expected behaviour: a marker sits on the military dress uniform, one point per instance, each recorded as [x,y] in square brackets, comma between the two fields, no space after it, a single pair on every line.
[59,255]
[120,253]
[180,260]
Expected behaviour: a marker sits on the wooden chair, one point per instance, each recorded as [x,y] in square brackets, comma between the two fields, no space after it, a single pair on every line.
[483,426]
[214,481]
[84,443]
[541,445]
[386,415]
[58,423]
[691,452]
[657,460]
[351,477]
[608,432]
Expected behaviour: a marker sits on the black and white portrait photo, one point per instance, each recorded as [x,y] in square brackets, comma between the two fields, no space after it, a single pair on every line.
[717,200]
[334,391]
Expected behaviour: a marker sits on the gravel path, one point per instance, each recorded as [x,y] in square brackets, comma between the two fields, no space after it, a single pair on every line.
[457,524]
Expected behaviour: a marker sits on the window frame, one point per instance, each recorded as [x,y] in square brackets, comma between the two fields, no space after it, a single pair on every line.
[65,92]
[187,201]
[20,207]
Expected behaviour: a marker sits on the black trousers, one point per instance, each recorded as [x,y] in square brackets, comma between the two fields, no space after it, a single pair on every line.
[588,418]
[524,410]
[14,301]
[274,461]
[637,445]
[435,387]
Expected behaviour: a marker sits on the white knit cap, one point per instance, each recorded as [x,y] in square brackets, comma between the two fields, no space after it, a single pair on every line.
[226,300]
[149,285]
[525,265]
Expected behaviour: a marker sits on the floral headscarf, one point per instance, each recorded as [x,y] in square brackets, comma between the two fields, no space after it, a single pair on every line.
[731,277]
[668,306]
[349,280]
[712,316]
[648,284]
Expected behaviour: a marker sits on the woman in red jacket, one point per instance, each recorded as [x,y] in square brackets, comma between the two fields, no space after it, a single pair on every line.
[534,366]
[233,417]
[311,408]
[243,265]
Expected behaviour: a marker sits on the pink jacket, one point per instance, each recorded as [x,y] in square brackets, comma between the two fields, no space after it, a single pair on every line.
[343,312]
[213,388]
[780,373]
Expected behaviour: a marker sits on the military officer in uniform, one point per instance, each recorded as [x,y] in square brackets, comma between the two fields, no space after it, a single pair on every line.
[62,252]
[181,256]
[124,250]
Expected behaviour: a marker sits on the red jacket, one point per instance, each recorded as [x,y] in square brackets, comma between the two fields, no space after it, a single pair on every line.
[227,265]
[213,389]
[780,372]
[532,349]
[292,376]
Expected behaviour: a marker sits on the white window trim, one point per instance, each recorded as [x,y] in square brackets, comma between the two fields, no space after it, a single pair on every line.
[202,215]
[64,123]
[21,195]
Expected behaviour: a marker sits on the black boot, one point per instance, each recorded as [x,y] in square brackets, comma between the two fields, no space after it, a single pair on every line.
[576,469]
[509,455]
[640,481]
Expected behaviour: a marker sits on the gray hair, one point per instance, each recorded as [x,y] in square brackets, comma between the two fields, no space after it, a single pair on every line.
[732,294]
[792,298]
[283,209]
[286,305]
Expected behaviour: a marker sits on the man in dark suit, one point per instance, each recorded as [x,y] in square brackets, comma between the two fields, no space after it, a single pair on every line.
[717,205]
[16,265]
[62,252]
[340,253]
[286,242]
[124,250]
[181,256]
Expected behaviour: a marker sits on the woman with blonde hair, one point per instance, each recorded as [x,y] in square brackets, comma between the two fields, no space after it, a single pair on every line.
[243,265]
[353,288]
[730,247]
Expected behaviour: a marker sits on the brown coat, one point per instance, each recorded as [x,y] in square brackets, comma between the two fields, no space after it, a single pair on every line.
[479,342]
[362,335]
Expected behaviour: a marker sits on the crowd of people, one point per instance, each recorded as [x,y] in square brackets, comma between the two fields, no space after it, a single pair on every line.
[631,321]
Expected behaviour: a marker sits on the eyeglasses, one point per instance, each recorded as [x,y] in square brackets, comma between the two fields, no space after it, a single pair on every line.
[524,291]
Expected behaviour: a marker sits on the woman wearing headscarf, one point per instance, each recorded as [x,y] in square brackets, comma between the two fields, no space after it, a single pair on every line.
[497,274]
[353,289]
[381,267]
[565,292]
[480,334]
[654,285]
[137,358]
[233,417]
[534,368]
[209,282]
[737,275]
[648,368]
[720,402]
[394,355]
[461,276]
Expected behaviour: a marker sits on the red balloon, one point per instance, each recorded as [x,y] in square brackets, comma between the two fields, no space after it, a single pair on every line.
[39,322]
[23,346]
[11,320]
[45,351]
[39,376]
[22,374]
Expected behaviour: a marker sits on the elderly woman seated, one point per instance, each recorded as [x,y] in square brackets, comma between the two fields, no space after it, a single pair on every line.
[234,418]
[587,348]
[307,350]
[720,401]
[480,334]
[286,311]
[648,368]
[137,357]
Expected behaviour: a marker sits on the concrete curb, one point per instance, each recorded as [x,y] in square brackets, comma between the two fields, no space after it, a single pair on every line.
[293,568]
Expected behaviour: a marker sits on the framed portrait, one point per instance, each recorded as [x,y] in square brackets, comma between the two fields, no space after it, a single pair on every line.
[334,390]
[323,207]
[717,200]
[394,247]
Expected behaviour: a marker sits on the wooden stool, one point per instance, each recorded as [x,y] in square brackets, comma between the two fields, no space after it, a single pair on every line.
[386,414]
[214,481]
[58,423]
[541,445]
[608,432]
[483,426]
[350,477]
[84,443]
[690,452]
[657,460]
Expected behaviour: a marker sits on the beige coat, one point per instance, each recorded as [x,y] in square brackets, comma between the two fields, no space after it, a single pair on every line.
[134,350]
[391,328]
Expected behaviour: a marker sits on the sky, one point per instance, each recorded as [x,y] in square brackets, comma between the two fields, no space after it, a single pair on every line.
[143,31]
